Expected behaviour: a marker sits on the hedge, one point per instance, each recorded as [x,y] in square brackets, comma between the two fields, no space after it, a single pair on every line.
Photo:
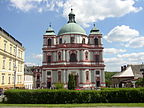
[45,96]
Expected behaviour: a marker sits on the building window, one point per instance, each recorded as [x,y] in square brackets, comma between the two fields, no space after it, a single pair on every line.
[87,75]
[49,73]
[49,42]
[10,49]
[5,45]
[60,41]
[9,64]
[14,50]
[83,41]
[72,39]
[49,59]
[4,62]
[96,41]
[97,72]
[73,57]
[14,64]
[59,56]
[59,76]
[96,58]
[3,78]
[86,55]
[9,79]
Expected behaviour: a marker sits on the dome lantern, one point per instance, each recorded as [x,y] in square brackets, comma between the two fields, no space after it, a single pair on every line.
[71,17]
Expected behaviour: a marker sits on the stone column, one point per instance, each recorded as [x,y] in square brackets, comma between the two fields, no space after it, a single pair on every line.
[102,78]
[68,56]
[78,55]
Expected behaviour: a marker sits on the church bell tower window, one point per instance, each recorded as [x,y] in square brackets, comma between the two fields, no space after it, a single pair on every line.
[60,41]
[49,42]
[86,55]
[49,59]
[96,41]
[97,58]
[83,41]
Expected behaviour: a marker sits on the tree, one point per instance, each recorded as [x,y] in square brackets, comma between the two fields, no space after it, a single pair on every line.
[140,82]
[108,77]
[71,82]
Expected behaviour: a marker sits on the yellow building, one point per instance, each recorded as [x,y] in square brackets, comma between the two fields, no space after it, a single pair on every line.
[11,61]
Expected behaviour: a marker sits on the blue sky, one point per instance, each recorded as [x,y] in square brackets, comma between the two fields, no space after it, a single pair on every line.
[120,21]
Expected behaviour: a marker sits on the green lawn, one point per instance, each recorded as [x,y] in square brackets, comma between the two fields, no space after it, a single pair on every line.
[77,105]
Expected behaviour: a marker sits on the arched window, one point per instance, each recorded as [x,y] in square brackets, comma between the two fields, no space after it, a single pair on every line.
[60,41]
[73,57]
[59,56]
[87,75]
[49,59]
[96,41]
[83,41]
[86,55]
[49,42]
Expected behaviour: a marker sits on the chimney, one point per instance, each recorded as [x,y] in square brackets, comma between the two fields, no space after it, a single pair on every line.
[122,68]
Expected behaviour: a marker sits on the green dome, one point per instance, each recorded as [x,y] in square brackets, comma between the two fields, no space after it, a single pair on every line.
[71,28]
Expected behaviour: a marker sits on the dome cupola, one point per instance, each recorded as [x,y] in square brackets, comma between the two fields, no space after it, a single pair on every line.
[94,30]
[71,27]
[50,31]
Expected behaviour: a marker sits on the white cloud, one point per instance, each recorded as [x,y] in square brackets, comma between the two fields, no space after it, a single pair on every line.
[93,10]
[114,63]
[114,50]
[86,11]
[37,56]
[136,43]
[30,64]
[121,33]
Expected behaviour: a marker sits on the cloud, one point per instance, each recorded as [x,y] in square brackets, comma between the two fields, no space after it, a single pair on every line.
[136,43]
[90,11]
[114,63]
[37,56]
[121,33]
[30,64]
[39,5]
[86,11]
[114,50]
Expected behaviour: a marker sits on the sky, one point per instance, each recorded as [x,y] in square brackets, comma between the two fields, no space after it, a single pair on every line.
[120,21]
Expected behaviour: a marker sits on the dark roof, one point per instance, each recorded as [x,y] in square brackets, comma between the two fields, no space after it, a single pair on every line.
[28,70]
[10,36]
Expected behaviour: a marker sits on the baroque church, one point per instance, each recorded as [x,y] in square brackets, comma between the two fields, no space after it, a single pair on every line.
[72,51]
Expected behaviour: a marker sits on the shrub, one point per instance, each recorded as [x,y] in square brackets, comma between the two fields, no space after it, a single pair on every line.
[59,85]
[46,96]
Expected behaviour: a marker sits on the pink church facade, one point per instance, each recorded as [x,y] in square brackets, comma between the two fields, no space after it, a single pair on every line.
[72,51]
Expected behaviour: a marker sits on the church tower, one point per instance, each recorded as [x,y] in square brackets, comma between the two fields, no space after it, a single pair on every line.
[72,51]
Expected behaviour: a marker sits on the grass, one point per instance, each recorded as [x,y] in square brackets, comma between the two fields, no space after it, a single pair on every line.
[77,105]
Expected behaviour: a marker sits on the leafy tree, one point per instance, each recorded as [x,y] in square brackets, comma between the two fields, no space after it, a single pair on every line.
[140,82]
[108,77]
[71,82]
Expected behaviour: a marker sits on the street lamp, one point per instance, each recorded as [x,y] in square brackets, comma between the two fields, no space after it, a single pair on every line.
[15,76]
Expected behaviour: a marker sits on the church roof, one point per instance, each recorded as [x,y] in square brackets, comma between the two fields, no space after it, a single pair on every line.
[50,31]
[94,30]
[71,27]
